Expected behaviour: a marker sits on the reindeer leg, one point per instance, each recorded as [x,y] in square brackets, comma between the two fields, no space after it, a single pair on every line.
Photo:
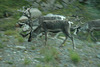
[56,35]
[30,37]
[75,33]
[72,41]
[65,38]
[45,37]
[71,37]
[24,35]
[63,42]
[67,34]
[91,33]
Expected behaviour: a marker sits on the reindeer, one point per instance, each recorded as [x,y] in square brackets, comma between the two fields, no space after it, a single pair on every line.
[41,27]
[90,26]
[34,24]
[53,25]
[77,26]
[37,21]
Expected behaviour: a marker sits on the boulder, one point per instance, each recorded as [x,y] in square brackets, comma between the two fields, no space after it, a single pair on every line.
[35,12]
[45,6]
[65,1]
[64,4]
[51,1]
[38,1]
[58,6]
[35,4]
[20,47]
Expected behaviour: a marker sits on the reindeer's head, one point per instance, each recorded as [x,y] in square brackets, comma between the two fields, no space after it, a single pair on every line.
[84,28]
[79,24]
[24,19]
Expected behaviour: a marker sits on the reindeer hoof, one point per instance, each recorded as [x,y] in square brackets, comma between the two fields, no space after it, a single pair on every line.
[29,40]
[22,35]
[61,46]
[74,48]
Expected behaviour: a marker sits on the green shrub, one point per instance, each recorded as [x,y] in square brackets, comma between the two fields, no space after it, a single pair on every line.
[89,38]
[1,45]
[74,56]
[27,61]
[8,24]
[20,39]
[9,62]
[39,65]
[0,35]
[5,39]
[33,47]
[98,65]
[50,54]
[48,65]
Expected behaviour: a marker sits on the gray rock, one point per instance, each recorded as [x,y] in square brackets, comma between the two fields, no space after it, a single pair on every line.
[65,1]
[45,6]
[98,56]
[38,1]
[30,0]
[35,12]
[80,0]
[51,1]
[20,47]
[35,4]
[64,5]
[98,43]
[59,6]
[23,18]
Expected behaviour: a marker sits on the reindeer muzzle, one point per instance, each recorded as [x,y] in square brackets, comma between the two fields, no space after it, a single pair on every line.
[17,25]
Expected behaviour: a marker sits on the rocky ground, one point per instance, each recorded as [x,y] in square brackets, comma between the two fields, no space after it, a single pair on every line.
[14,53]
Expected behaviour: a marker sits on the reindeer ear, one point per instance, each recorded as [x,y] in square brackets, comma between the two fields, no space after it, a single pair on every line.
[70,22]
[29,40]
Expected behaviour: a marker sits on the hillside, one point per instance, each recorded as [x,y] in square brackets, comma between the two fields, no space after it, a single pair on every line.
[15,51]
